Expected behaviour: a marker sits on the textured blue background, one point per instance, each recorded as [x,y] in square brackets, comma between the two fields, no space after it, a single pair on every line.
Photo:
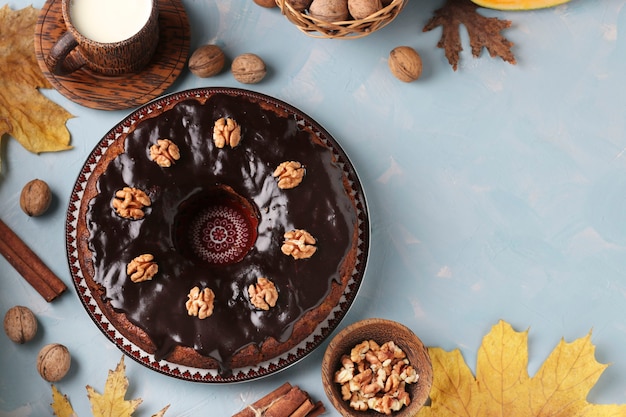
[496,192]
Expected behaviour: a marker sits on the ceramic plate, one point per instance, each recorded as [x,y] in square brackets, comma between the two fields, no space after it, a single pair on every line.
[80,268]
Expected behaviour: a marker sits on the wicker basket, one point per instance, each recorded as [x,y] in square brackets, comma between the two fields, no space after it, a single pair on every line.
[348,29]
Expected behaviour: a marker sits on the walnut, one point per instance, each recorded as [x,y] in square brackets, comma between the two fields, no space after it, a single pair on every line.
[374,377]
[53,362]
[289,174]
[346,373]
[357,354]
[299,5]
[405,63]
[164,153]
[248,68]
[329,10]
[142,268]
[266,3]
[361,9]
[129,203]
[299,244]
[263,295]
[35,197]
[207,61]
[385,404]
[20,324]
[226,131]
[358,402]
[200,302]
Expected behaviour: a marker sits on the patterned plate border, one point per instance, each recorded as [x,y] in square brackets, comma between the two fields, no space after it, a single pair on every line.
[309,344]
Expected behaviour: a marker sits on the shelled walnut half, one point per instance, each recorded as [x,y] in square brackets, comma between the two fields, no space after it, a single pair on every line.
[299,243]
[129,203]
[226,131]
[289,174]
[263,295]
[142,268]
[200,302]
[165,153]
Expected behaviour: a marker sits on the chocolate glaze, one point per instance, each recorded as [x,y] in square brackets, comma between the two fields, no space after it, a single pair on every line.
[319,205]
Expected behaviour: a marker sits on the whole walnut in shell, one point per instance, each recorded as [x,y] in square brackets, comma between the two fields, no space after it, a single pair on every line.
[360,9]
[53,362]
[248,68]
[329,10]
[35,197]
[20,324]
[405,63]
[207,61]
[299,5]
[266,3]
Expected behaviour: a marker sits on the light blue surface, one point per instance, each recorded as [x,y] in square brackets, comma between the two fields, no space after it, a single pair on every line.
[496,192]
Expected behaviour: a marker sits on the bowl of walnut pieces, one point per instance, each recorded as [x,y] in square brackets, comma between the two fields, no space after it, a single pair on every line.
[377,366]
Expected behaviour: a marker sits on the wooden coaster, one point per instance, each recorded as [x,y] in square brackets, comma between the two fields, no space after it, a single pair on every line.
[125,91]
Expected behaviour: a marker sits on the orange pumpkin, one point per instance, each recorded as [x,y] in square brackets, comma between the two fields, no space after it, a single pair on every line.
[518,4]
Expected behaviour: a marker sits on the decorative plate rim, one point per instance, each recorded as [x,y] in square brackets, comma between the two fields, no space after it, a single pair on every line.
[266,368]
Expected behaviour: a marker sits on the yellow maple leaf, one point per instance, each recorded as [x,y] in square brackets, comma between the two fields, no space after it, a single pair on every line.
[31,118]
[61,406]
[502,386]
[112,403]
[109,404]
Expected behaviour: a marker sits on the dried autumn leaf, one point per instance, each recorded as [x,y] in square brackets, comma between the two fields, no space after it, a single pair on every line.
[162,412]
[36,122]
[109,404]
[502,386]
[484,32]
[112,403]
[61,406]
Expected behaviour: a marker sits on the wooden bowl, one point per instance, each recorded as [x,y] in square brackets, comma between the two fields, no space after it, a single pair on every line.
[381,331]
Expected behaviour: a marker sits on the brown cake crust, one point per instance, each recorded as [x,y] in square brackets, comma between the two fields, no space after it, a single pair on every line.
[253,353]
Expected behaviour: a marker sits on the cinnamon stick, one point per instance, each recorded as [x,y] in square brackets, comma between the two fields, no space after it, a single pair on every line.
[29,265]
[303,410]
[259,406]
[287,404]
[284,401]
[317,410]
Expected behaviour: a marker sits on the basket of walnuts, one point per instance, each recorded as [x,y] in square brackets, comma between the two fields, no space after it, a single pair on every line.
[347,19]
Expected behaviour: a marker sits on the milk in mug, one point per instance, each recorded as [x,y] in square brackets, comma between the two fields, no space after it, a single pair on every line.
[108,21]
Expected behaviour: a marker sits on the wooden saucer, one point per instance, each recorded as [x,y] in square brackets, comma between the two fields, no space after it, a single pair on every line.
[125,91]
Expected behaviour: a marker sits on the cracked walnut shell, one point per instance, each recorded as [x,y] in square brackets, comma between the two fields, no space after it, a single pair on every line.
[142,268]
[200,302]
[129,203]
[226,131]
[164,153]
[289,174]
[263,295]
[299,243]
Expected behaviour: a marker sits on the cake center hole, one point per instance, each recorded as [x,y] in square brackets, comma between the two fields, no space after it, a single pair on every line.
[216,227]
